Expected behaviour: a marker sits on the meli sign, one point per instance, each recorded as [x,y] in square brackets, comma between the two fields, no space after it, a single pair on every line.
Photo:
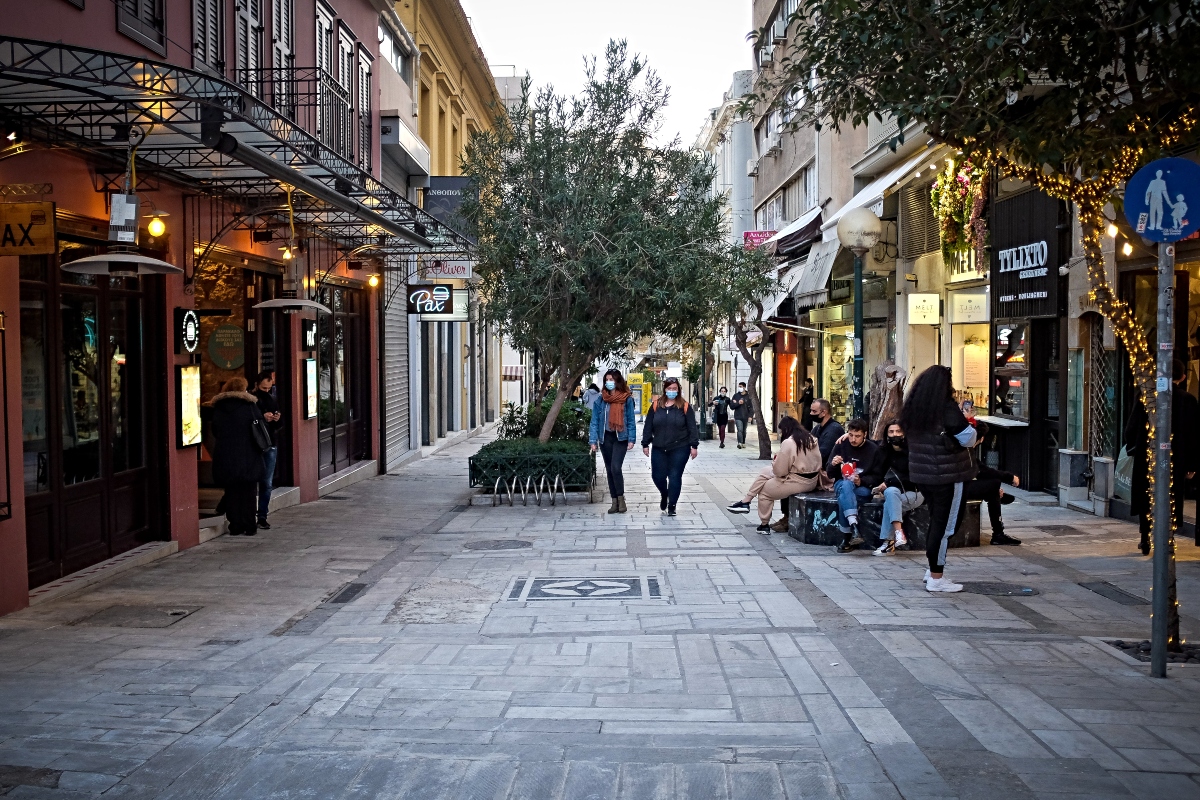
[924,309]
[1156,199]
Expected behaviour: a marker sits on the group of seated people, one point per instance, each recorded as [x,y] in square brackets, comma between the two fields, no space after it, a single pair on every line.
[861,470]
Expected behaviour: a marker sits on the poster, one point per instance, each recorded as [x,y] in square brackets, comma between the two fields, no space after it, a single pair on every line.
[187,396]
[975,366]
[227,346]
[310,388]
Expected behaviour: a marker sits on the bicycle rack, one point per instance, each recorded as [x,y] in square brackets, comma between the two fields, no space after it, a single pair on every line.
[496,492]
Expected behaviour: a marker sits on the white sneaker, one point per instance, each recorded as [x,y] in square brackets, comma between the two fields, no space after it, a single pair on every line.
[942,584]
[928,575]
[901,539]
[885,549]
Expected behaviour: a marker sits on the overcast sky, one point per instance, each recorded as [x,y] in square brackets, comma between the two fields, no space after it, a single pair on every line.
[695,45]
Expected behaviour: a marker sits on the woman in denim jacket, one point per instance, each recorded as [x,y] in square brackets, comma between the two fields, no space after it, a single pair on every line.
[614,431]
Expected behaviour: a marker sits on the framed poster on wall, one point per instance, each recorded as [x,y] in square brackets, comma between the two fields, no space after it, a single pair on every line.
[310,388]
[187,405]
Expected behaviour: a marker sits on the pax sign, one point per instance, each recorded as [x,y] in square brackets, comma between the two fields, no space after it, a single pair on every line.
[26,229]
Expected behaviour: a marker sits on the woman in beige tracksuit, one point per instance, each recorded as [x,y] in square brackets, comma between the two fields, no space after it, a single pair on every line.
[796,468]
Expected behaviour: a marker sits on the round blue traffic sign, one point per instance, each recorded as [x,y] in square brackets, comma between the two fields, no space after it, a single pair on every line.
[1157,199]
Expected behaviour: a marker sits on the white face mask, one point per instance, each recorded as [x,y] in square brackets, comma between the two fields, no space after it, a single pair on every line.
[610,385]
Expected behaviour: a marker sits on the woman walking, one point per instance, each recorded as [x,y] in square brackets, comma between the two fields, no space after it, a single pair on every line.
[796,469]
[237,457]
[671,428]
[939,463]
[613,431]
[720,409]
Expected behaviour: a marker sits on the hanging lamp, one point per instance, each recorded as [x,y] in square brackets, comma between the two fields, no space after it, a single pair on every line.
[291,302]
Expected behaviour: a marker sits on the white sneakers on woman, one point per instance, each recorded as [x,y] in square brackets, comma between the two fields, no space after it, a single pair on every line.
[942,584]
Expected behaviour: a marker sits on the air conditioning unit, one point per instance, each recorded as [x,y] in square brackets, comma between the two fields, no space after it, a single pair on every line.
[779,30]
[766,56]
[752,168]
[774,147]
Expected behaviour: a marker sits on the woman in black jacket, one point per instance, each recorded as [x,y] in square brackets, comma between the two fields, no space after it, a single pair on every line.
[671,428]
[237,458]
[939,463]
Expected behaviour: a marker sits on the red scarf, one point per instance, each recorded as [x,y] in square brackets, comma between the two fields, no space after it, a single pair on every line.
[616,407]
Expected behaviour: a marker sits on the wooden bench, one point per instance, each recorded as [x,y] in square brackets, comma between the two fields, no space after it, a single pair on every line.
[812,519]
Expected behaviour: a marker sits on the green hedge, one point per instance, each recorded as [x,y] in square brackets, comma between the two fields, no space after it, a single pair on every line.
[529,458]
[520,422]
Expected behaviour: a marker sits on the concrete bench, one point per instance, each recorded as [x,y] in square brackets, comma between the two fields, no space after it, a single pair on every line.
[812,519]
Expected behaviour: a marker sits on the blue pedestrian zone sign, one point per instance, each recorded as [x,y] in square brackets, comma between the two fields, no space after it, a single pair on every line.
[1157,199]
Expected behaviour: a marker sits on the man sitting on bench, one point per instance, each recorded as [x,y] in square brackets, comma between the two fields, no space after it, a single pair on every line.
[856,465]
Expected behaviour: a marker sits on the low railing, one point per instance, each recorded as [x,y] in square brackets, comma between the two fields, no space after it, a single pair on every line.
[313,99]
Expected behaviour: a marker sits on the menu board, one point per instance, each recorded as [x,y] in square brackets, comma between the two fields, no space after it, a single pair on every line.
[310,388]
[187,399]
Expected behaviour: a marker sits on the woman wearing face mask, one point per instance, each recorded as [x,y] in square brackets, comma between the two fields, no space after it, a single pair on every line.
[671,427]
[899,494]
[613,431]
[720,409]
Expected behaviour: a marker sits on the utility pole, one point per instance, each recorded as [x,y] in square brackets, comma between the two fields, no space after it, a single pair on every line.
[859,230]
[1163,516]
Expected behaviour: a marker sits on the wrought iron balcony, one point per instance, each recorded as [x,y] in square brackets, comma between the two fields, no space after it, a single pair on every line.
[311,98]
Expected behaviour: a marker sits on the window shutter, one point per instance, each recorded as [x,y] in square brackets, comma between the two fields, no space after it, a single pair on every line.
[207,39]
[143,21]
[918,226]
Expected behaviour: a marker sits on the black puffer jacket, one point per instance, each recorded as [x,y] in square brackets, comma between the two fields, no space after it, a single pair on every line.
[668,427]
[938,458]
[236,457]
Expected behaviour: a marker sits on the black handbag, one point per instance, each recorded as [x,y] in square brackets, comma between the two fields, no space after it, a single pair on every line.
[262,439]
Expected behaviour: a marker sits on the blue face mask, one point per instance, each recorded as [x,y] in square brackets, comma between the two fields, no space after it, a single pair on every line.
[610,385]
[672,394]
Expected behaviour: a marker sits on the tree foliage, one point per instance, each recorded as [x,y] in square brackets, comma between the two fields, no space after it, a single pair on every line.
[591,235]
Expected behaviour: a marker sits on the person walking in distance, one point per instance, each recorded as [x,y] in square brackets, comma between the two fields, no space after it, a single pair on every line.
[589,397]
[268,404]
[720,410]
[827,429]
[237,458]
[939,463]
[740,402]
[613,431]
[806,400]
[671,427]
[795,469]
[898,493]
[856,466]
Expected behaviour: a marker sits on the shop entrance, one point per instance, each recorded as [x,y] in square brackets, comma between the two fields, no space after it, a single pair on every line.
[343,382]
[87,429]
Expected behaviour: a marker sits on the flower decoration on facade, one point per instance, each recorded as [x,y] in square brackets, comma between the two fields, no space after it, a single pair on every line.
[959,199]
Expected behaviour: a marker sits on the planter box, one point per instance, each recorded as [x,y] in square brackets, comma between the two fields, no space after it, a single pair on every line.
[577,470]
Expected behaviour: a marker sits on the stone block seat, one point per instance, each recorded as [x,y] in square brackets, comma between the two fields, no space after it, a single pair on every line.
[812,519]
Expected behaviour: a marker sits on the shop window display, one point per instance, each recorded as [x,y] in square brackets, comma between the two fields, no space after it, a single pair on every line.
[1011,371]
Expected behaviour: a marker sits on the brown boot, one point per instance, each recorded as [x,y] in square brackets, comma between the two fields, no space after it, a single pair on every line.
[781,526]
[615,508]
[621,507]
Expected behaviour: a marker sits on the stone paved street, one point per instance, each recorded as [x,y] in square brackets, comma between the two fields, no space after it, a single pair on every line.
[378,644]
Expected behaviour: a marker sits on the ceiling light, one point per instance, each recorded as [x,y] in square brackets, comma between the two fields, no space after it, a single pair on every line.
[1127,249]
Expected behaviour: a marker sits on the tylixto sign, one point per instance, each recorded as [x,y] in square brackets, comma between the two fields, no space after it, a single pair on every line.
[435,298]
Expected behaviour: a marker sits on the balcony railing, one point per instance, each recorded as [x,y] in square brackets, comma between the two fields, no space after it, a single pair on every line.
[314,100]
[880,130]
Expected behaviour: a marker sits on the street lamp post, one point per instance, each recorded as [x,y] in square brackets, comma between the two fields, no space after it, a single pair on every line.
[859,231]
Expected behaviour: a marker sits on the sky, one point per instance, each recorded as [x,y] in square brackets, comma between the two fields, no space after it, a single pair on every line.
[695,45]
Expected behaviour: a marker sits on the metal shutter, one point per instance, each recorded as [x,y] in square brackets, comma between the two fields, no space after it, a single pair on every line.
[918,227]
[395,372]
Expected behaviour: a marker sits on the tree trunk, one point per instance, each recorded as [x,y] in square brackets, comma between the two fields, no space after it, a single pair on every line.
[753,356]
[560,397]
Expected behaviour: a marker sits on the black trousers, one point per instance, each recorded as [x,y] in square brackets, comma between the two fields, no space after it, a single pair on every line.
[987,490]
[945,503]
[240,503]
[614,452]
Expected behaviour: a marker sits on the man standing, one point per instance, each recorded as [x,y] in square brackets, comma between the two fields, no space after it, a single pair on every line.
[856,467]
[827,429]
[269,406]
[740,403]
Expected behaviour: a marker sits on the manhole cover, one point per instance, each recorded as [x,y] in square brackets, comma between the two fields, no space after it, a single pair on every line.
[498,544]
[348,593]
[335,497]
[998,589]
[1117,595]
[138,616]
[1061,530]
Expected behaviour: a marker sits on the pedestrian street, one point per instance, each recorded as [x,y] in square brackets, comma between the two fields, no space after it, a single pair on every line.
[395,641]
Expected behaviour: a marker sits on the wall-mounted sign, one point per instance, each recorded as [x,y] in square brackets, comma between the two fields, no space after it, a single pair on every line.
[444,198]
[968,307]
[227,346]
[438,270]
[310,388]
[924,309]
[187,331]
[308,334]
[460,313]
[433,298]
[1025,259]
[754,239]
[26,229]
[1156,199]
[187,405]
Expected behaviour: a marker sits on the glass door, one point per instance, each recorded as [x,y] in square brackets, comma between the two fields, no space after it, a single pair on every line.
[343,380]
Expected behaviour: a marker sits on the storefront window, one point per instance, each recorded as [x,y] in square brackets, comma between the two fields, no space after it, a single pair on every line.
[34,398]
[1012,371]
[80,389]
[969,366]
[1075,396]
[839,371]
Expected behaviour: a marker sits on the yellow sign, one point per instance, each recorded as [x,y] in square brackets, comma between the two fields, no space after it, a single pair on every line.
[188,409]
[26,229]
[635,386]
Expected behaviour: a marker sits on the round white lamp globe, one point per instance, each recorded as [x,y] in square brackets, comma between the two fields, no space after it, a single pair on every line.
[859,229]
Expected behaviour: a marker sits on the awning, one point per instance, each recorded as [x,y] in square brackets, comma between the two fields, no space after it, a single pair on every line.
[513,372]
[791,239]
[813,287]
[789,275]
[878,188]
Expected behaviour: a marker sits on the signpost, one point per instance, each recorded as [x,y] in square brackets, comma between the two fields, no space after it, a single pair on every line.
[1156,205]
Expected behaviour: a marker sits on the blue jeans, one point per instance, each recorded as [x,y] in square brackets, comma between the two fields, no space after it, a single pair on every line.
[741,430]
[666,470]
[895,505]
[268,482]
[848,496]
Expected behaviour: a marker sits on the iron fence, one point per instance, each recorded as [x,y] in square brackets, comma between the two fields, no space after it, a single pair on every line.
[311,98]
